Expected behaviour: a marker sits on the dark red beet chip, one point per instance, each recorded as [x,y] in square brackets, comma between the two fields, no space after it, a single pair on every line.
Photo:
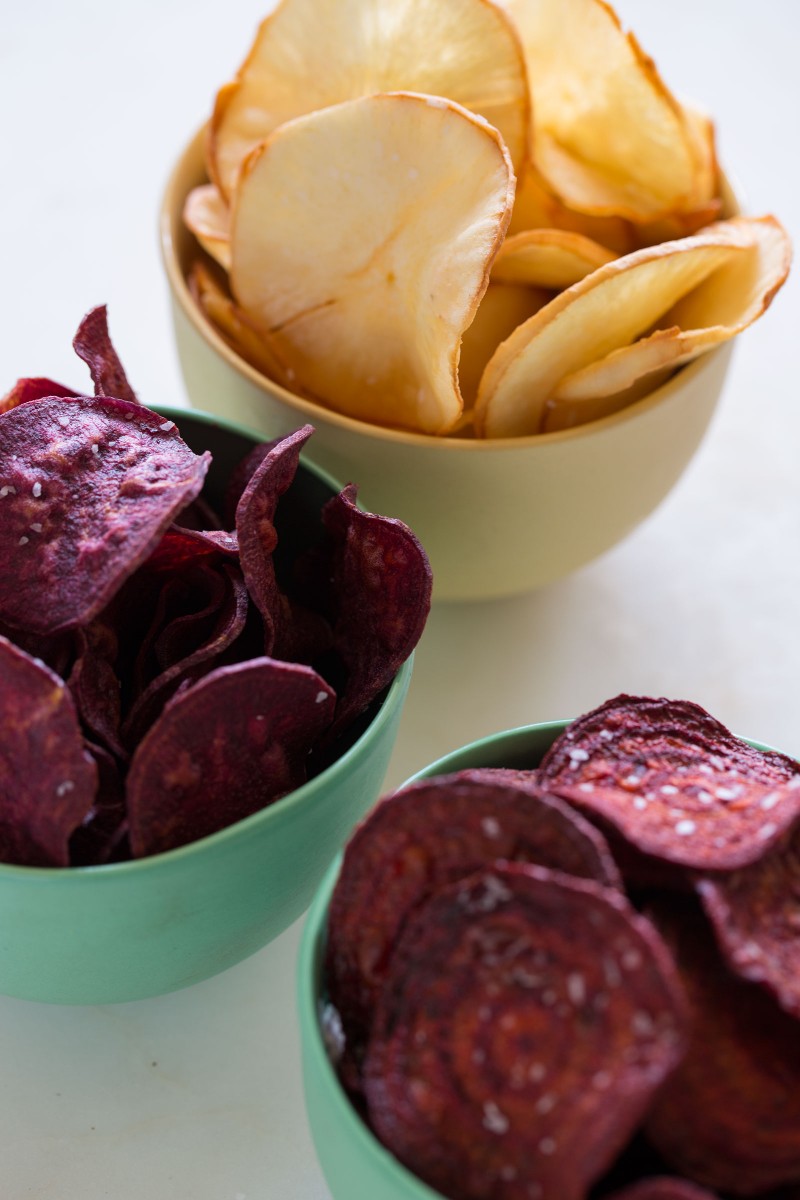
[729,1116]
[755,913]
[223,749]
[674,782]
[381,580]
[47,780]
[104,828]
[87,488]
[527,1020]
[95,686]
[429,834]
[37,388]
[93,344]
[665,1187]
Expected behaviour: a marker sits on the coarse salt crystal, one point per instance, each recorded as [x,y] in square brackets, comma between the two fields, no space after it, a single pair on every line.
[685,828]
[36,490]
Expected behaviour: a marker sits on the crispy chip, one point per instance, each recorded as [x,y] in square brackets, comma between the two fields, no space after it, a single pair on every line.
[311,54]
[36,388]
[207,215]
[93,344]
[674,782]
[504,306]
[548,258]
[250,343]
[664,1187]
[496,1059]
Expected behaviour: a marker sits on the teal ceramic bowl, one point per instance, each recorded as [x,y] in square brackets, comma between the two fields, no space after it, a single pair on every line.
[356,1166]
[125,931]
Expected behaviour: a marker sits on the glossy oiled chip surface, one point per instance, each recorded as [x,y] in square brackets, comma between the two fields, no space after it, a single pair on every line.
[87,487]
[47,779]
[675,782]
[527,1019]
[729,1116]
[433,833]
[223,749]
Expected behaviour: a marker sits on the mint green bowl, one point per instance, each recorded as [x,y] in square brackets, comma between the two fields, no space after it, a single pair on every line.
[99,935]
[355,1164]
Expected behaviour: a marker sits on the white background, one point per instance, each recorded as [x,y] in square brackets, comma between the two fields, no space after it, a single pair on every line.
[197,1094]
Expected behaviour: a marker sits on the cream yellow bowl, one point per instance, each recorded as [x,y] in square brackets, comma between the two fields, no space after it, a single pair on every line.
[496,517]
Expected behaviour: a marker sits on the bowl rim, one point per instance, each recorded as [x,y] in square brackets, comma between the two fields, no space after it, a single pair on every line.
[277,813]
[170,216]
[311,948]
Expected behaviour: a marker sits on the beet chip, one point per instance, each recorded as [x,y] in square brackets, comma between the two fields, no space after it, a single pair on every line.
[664,1187]
[427,835]
[47,780]
[87,487]
[223,749]
[25,390]
[382,582]
[93,344]
[255,526]
[729,1117]
[527,1019]
[95,686]
[674,782]
[756,917]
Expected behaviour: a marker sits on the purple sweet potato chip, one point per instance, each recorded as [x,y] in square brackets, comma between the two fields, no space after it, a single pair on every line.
[95,685]
[755,913]
[101,834]
[93,344]
[47,780]
[87,488]
[674,782]
[241,475]
[663,1187]
[255,527]
[380,581]
[431,833]
[223,749]
[729,1116]
[500,1062]
[36,388]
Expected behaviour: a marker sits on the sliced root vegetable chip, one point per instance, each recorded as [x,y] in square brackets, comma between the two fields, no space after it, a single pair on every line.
[252,344]
[548,258]
[567,413]
[608,135]
[36,388]
[47,779]
[675,782]
[498,1060]
[95,686]
[93,344]
[225,748]
[716,310]
[208,217]
[756,917]
[381,584]
[536,207]
[309,55]
[504,307]
[608,309]
[729,1116]
[663,1187]
[385,215]
[87,487]
[429,834]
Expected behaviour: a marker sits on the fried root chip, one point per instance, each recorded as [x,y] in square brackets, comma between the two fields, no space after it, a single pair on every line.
[311,54]
[93,344]
[663,1187]
[755,913]
[536,207]
[608,309]
[34,388]
[363,283]
[674,782]
[718,309]
[250,343]
[87,487]
[223,749]
[47,780]
[548,258]
[499,1063]
[432,833]
[504,306]
[608,135]
[208,217]
[729,1116]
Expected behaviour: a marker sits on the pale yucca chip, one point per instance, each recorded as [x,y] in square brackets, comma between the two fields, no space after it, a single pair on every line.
[609,308]
[207,216]
[241,335]
[609,137]
[537,207]
[548,258]
[503,307]
[362,238]
[309,54]
[716,310]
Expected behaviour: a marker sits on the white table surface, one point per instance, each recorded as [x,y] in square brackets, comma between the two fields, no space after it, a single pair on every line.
[197,1094]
